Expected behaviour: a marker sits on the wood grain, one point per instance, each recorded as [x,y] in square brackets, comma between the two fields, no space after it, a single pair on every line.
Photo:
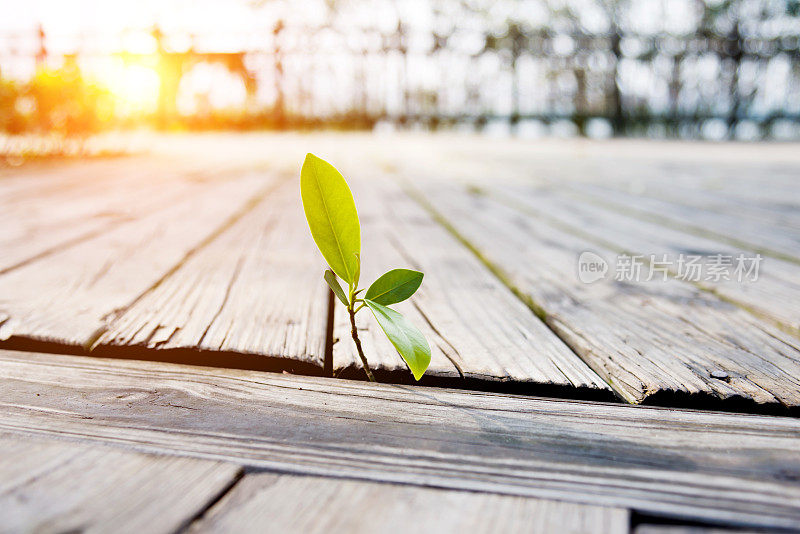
[476,327]
[70,296]
[53,486]
[297,504]
[75,203]
[775,294]
[763,192]
[728,468]
[763,236]
[748,195]
[255,290]
[766,196]
[647,339]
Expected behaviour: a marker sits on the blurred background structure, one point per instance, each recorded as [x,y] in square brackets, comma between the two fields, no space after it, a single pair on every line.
[711,69]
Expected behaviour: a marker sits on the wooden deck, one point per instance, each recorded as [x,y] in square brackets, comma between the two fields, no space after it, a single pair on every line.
[171,359]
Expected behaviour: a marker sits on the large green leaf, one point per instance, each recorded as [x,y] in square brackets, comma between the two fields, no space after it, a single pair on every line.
[334,285]
[331,215]
[395,286]
[405,337]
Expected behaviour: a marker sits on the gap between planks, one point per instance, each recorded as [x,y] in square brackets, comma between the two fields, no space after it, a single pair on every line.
[783,248]
[256,291]
[225,358]
[318,505]
[775,298]
[54,486]
[735,469]
[692,390]
[237,358]
[154,325]
[478,330]
[74,308]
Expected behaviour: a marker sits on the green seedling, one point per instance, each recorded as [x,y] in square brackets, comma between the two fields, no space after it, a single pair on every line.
[333,220]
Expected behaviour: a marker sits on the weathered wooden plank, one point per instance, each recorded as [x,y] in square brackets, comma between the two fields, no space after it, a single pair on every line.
[257,289]
[647,339]
[763,178]
[765,190]
[475,325]
[736,469]
[41,208]
[775,293]
[300,504]
[742,232]
[761,197]
[53,486]
[69,296]
[36,180]
[68,207]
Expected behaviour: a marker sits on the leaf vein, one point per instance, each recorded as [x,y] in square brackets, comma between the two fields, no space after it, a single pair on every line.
[330,222]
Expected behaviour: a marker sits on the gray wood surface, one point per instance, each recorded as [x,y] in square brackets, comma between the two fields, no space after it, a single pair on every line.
[255,290]
[775,294]
[476,327]
[308,505]
[54,486]
[647,339]
[768,197]
[762,177]
[762,192]
[46,209]
[70,296]
[782,241]
[142,257]
[736,469]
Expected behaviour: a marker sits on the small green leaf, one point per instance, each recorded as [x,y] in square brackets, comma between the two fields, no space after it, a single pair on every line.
[405,337]
[358,270]
[395,286]
[334,283]
[332,216]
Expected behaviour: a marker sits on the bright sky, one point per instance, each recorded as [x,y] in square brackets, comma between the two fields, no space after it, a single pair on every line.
[112,16]
[246,16]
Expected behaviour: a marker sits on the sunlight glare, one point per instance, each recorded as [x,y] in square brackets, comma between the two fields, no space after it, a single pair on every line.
[135,87]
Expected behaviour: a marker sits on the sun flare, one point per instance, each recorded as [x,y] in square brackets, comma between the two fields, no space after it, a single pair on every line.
[135,87]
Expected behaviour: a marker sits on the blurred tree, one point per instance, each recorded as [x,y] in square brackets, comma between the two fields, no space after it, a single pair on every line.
[11,120]
[67,104]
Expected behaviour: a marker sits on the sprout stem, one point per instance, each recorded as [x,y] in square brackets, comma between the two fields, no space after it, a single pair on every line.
[354,333]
